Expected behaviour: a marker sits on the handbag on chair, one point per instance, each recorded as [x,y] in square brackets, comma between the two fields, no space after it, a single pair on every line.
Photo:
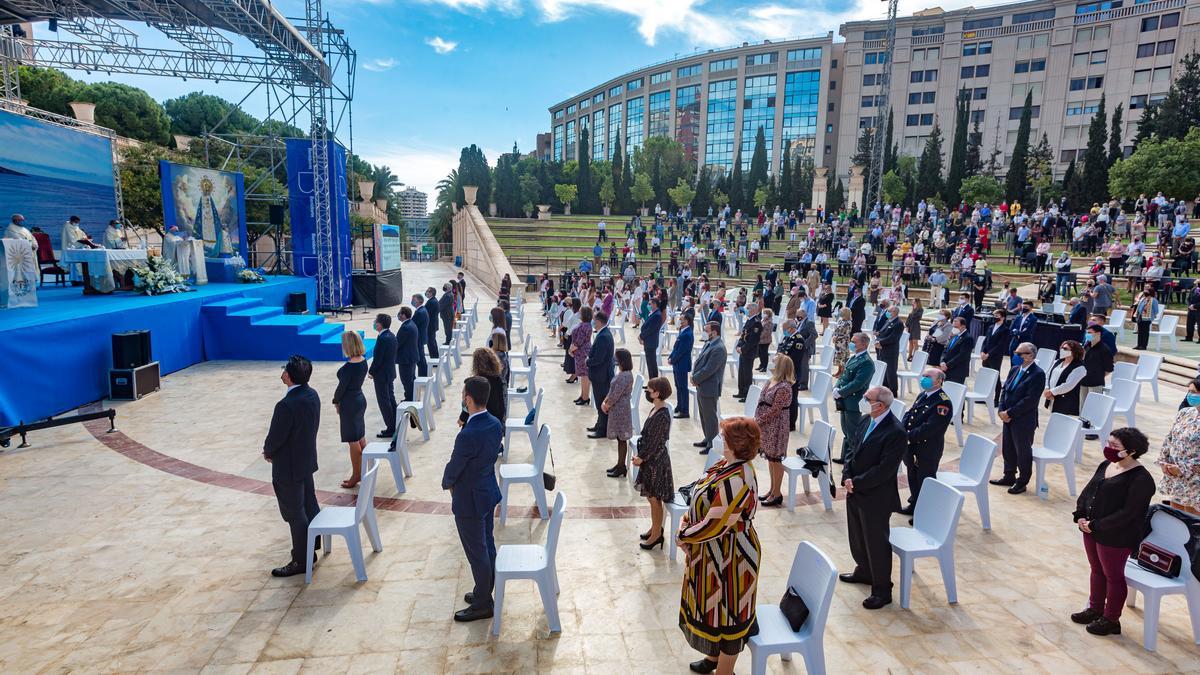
[792,606]
[1158,560]
[548,479]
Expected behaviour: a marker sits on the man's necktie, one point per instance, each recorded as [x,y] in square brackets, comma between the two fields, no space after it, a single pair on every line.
[870,428]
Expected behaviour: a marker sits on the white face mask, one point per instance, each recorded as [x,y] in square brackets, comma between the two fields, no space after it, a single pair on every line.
[864,406]
[1064,353]
[956,331]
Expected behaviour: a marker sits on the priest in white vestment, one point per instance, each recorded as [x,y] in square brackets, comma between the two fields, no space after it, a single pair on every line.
[114,236]
[178,250]
[73,237]
[16,230]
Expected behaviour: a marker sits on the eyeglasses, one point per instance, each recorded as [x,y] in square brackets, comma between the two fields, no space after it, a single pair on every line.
[1024,353]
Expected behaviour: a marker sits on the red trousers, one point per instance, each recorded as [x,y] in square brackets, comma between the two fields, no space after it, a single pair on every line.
[1108,588]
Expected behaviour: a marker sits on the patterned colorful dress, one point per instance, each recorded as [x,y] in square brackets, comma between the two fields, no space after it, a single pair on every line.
[841,344]
[1182,448]
[581,339]
[772,418]
[654,475]
[620,414]
[717,607]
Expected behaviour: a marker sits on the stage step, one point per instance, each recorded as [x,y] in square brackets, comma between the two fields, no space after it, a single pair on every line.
[246,329]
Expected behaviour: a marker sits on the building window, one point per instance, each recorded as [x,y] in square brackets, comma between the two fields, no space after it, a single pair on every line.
[598,98]
[633,85]
[723,64]
[874,35]
[722,115]
[635,124]
[928,30]
[558,142]
[930,54]
[1137,102]
[558,114]
[872,58]
[571,109]
[1027,17]
[758,110]
[810,54]
[1169,20]
[571,147]
[1032,88]
[1015,113]
[1088,108]
[923,76]
[660,114]
[833,84]
[977,48]
[614,129]
[1161,75]
[1149,23]
[914,98]
[1144,50]
[871,101]
[687,120]
[1034,66]
[977,117]
[584,103]
[614,92]
[801,103]
[1089,7]
[1166,47]
[921,120]
[1032,42]
[762,59]
[1089,34]
[979,94]
[1067,156]
[598,137]
[689,71]
[866,122]
[869,79]
[977,24]
[982,70]
[659,78]
[1141,76]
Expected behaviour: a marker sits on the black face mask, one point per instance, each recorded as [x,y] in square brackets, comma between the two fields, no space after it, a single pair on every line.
[649,397]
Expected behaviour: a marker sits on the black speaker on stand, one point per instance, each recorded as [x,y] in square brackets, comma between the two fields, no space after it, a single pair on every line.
[297,303]
[275,214]
[131,349]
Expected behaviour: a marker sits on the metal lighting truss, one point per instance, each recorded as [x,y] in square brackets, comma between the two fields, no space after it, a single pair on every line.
[874,185]
[305,71]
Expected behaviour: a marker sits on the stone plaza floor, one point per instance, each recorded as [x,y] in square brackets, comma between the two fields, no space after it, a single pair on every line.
[150,550]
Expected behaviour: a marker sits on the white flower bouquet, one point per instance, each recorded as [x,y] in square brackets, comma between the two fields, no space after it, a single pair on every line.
[250,276]
[157,277]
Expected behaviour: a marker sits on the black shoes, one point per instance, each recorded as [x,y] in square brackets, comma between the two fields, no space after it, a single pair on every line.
[596,434]
[583,401]
[386,433]
[704,450]
[1086,616]
[876,602]
[291,569]
[851,578]
[473,614]
[1016,489]
[773,502]
[906,511]
[1007,481]
[684,416]
[592,429]
[700,444]
[1103,626]
[469,598]
[838,460]
[703,666]
[617,472]
[649,545]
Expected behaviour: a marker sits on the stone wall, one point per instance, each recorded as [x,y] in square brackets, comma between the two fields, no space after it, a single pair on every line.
[481,253]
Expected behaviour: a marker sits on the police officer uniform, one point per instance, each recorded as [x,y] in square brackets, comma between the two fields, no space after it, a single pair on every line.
[794,347]
[748,344]
[925,424]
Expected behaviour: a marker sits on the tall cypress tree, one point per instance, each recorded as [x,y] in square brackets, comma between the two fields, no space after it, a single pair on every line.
[626,195]
[785,179]
[583,178]
[737,191]
[1095,159]
[1115,137]
[618,205]
[974,159]
[929,169]
[958,149]
[837,198]
[1018,168]
[889,151]
[758,165]
[703,198]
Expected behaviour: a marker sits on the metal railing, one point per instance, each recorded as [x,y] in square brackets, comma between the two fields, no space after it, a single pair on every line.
[1014,29]
[1122,12]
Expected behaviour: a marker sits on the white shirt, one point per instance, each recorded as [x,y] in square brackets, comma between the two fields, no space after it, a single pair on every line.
[1070,383]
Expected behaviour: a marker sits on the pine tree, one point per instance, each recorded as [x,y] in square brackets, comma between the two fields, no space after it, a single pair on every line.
[758,165]
[1041,171]
[1018,168]
[618,165]
[929,169]
[625,194]
[958,149]
[862,153]
[737,191]
[583,177]
[1115,136]
[1095,159]
[802,180]
[785,179]
[703,198]
[889,151]
[974,162]
[836,199]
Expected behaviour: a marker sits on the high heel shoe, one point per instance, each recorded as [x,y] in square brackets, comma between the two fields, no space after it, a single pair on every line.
[572,380]
[774,502]
[583,401]
[617,472]
[649,545]
[644,536]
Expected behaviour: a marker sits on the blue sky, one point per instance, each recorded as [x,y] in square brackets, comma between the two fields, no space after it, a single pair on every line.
[436,75]
[43,149]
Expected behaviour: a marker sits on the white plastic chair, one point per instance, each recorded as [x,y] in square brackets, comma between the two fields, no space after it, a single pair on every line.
[536,563]
[1045,358]
[635,398]
[529,474]
[974,467]
[439,370]
[932,536]
[524,357]
[1122,370]
[618,327]
[817,397]
[530,374]
[897,410]
[1097,411]
[813,577]
[957,393]
[432,382]
[456,346]
[678,506]
[920,359]
[419,409]
[1166,329]
[820,441]
[1116,322]
[976,355]
[1058,447]
[880,371]
[1168,532]
[398,459]
[1125,392]
[1147,371]
[343,521]
[751,404]
[983,390]
[824,362]
[517,424]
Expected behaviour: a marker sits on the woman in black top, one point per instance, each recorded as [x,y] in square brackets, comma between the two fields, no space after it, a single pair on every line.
[825,306]
[1062,382]
[1097,361]
[1111,514]
[350,403]
[485,364]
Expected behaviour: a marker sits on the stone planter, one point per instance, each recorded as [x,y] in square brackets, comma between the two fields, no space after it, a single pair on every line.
[381,204]
[183,141]
[543,211]
[644,211]
[566,209]
[366,190]
[492,209]
[83,111]
[607,212]
[469,193]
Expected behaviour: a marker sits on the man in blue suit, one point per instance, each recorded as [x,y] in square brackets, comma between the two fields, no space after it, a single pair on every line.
[1018,410]
[383,373]
[291,449]
[470,476]
[680,361]
[648,336]
[600,372]
[421,319]
[956,357]
[887,345]
[432,310]
[406,351]
[1023,328]
[964,309]
[1078,314]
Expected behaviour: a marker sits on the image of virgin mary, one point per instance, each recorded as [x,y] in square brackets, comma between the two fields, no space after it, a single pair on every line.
[208,223]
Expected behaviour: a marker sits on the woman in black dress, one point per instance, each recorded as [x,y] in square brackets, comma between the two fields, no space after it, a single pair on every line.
[1064,378]
[350,403]
[653,460]
[825,306]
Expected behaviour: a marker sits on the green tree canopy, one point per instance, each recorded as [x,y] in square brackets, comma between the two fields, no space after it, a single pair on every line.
[982,189]
[566,193]
[197,112]
[1170,165]
[894,188]
[607,192]
[1018,169]
[682,194]
[642,190]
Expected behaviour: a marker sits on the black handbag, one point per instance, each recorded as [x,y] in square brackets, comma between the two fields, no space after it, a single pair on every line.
[793,608]
[548,479]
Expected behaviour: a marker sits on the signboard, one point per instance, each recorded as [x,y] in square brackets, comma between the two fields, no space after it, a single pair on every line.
[388,252]
[427,249]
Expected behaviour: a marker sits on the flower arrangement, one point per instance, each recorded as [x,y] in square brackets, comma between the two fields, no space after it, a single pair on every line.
[157,277]
[250,276]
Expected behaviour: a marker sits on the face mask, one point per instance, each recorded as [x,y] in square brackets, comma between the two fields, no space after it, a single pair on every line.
[926,383]
[999,319]
[956,331]
[864,406]
[1112,454]
[1064,353]
[1193,400]
[1094,337]
[649,397]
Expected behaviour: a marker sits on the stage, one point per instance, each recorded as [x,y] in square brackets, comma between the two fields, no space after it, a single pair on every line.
[58,354]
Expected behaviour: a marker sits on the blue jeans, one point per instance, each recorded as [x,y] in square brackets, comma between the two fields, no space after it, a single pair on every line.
[1061,280]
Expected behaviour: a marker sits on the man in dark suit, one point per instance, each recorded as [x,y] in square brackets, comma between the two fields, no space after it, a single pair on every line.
[446,309]
[887,345]
[383,373]
[1018,410]
[707,376]
[291,449]
[432,308]
[1023,328]
[470,476]
[872,494]
[807,332]
[956,357]
[1078,314]
[407,351]
[600,371]
[747,349]
[858,309]
[680,361]
[964,309]
[420,319]
[648,337]
[995,345]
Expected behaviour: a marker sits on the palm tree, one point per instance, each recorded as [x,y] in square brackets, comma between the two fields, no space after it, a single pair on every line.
[439,222]
[384,181]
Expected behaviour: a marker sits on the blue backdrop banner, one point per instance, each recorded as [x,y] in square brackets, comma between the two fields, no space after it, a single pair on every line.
[205,204]
[300,202]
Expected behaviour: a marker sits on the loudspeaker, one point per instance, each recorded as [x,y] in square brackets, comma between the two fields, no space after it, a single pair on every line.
[130,384]
[275,214]
[297,303]
[131,349]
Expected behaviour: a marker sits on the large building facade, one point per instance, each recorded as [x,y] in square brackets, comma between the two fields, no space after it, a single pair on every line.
[412,203]
[817,95]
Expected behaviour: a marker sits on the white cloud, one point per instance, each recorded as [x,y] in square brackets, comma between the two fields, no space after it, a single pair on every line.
[441,46]
[380,65]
